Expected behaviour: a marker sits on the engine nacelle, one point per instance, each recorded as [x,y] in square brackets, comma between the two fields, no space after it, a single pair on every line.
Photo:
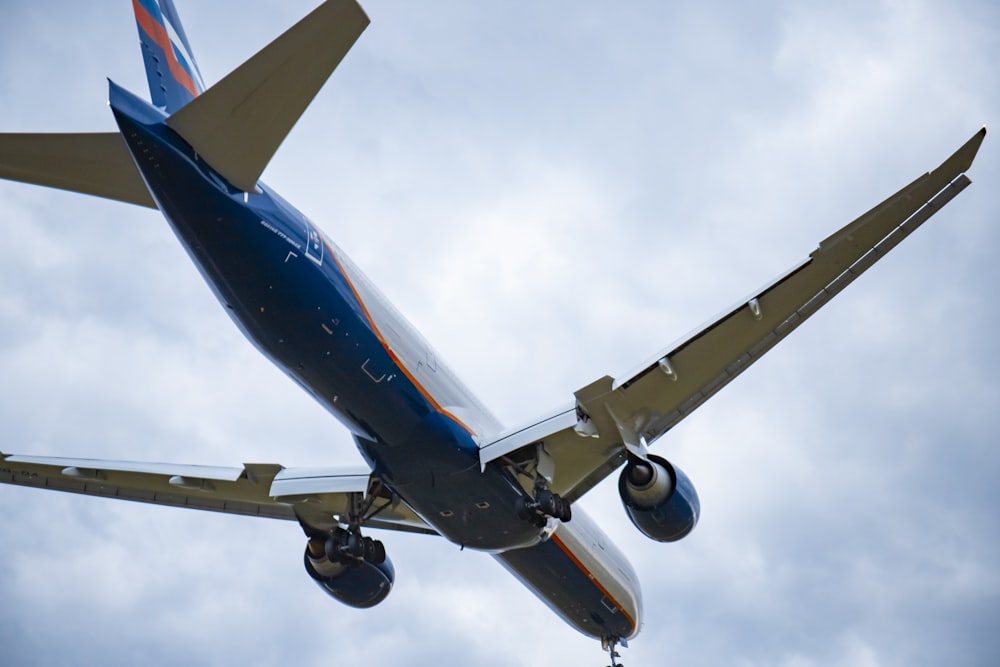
[359,584]
[659,499]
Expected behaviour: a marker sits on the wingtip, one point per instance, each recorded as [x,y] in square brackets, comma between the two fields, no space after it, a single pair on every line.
[978,137]
[972,146]
[961,160]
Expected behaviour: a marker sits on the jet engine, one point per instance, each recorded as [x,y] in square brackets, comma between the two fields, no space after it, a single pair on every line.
[360,582]
[659,498]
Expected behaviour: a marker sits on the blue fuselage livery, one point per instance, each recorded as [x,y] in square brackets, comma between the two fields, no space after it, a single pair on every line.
[302,302]
[438,463]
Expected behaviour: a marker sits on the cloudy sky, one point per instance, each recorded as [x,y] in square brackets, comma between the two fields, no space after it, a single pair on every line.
[550,191]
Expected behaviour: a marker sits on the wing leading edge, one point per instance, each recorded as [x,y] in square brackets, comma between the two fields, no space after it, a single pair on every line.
[316,497]
[584,443]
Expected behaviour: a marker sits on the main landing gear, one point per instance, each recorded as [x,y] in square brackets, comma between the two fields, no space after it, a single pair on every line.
[609,644]
[346,545]
[544,504]
[351,547]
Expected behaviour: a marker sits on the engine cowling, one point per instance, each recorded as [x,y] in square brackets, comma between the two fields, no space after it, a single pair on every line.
[359,584]
[659,499]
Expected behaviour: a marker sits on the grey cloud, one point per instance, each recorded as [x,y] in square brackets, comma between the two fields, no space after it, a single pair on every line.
[552,192]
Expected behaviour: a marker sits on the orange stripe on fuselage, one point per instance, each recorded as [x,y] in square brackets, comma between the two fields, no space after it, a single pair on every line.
[562,545]
[416,383]
[158,33]
[593,579]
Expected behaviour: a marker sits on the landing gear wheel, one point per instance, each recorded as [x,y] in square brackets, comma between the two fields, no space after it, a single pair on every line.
[563,511]
[544,504]
[334,546]
[374,551]
[524,512]
[355,547]
[350,547]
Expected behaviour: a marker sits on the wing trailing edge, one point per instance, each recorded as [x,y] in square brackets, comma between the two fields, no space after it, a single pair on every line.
[96,164]
[237,125]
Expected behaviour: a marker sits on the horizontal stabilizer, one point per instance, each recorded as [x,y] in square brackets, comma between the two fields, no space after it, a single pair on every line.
[96,164]
[237,125]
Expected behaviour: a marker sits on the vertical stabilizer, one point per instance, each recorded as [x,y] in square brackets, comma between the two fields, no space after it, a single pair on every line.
[171,70]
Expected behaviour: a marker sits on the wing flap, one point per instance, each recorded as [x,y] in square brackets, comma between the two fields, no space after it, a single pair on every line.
[320,498]
[96,164]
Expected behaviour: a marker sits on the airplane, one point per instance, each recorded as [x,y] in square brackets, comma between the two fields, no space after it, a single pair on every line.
[438,463]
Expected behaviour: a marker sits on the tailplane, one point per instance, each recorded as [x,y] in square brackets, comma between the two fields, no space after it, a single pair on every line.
[174,79]
[238,124]
[96,164]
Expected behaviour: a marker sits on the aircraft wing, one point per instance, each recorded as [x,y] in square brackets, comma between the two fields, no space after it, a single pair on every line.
[579,446]
[316,497]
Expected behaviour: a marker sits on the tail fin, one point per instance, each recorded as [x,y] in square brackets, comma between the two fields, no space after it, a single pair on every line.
[174,79]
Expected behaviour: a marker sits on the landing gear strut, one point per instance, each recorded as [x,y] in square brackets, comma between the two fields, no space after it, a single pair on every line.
[543,504]
[609,644]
